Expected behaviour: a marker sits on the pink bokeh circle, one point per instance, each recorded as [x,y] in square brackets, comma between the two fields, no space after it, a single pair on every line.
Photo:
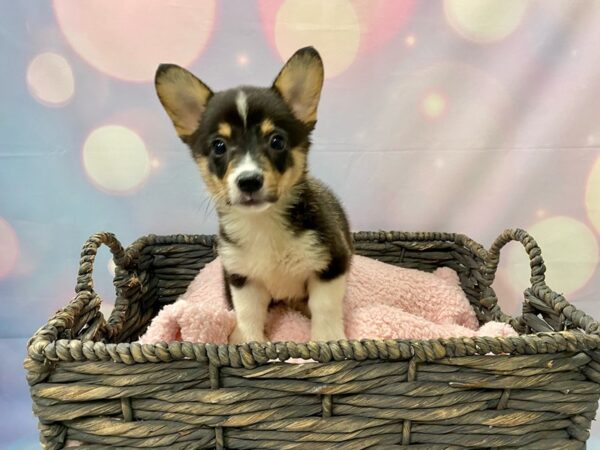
[127,40]
[379,20]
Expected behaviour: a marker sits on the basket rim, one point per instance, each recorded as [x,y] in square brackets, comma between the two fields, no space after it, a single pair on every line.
[362,236]
[44,347]
[254,353]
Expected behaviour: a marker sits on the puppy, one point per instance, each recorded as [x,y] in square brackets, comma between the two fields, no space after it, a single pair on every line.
[283,235]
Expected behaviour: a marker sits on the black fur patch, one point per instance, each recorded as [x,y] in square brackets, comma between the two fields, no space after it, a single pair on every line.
[237,281]
[338,265]
[318,209]
[227,291]
[234,280]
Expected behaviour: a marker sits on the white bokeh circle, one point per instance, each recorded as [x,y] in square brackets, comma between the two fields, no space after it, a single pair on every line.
[50,79]
[9,245]
[485,21]
[115,159]
[592,195]
[332,27]
[570,251]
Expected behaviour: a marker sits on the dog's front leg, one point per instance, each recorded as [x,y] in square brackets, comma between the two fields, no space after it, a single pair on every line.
[251,304]
[325,301]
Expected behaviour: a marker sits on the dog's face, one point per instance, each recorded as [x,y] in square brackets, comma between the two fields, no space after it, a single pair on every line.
[250,143]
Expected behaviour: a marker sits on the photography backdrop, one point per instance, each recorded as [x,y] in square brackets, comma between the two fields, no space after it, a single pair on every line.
[468,116]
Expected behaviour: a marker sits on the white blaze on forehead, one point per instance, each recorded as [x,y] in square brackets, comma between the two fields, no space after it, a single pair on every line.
[241,101]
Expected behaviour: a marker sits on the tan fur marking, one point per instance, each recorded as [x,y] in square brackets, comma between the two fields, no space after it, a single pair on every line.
[292,175]
[267,127]
[215,186]
[282,183]
[230,168]
[271,178]
[224,129]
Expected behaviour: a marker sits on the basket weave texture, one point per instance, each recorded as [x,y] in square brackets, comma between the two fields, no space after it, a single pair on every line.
[90,382]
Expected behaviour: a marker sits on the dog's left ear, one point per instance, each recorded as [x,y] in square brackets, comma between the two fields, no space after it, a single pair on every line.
[183,96]
[300,82]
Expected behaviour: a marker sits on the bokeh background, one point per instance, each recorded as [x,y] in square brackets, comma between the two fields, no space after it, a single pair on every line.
[467,116]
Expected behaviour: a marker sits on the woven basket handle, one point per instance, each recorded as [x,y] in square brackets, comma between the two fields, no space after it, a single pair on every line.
[557,313]
[88,254]
[531,247]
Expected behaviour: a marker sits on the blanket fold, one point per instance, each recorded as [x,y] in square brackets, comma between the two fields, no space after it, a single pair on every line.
[382,302]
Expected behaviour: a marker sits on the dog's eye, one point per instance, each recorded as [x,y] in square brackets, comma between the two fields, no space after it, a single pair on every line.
[218,146]
[277,142]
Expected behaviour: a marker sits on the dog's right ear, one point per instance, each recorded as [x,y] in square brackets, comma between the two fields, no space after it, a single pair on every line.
[183,96]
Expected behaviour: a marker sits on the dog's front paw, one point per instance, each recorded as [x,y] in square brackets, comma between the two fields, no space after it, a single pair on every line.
[238,336]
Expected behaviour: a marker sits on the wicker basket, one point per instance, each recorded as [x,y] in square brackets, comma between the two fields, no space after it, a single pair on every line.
[536,391]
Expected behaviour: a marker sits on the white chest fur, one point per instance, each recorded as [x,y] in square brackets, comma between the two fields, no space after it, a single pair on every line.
[265,250]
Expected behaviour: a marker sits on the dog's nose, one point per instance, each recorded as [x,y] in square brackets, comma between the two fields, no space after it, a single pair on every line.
[250,182]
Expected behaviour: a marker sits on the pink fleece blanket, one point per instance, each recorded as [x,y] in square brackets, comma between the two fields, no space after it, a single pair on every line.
[382,302]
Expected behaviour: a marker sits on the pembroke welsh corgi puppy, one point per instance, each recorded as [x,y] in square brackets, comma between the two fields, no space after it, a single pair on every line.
[283,235]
